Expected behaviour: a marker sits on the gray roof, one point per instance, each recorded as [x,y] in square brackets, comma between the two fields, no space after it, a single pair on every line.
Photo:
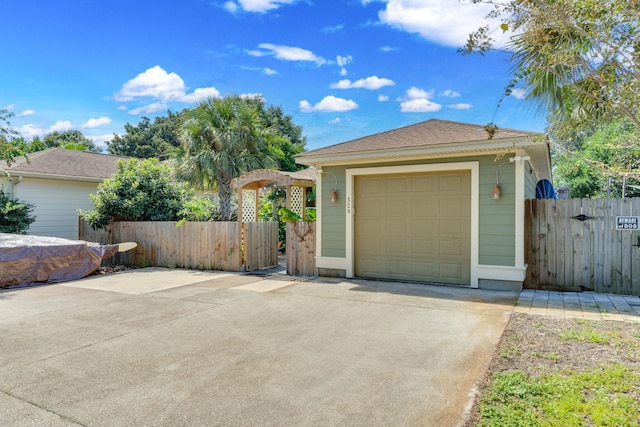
[429,133]
[65,163]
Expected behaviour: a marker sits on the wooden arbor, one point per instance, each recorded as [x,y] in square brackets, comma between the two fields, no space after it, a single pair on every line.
[260,246]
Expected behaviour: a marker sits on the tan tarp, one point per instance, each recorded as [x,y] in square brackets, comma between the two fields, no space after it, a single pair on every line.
[32,259]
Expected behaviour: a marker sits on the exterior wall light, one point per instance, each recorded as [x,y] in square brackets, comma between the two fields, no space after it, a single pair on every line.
[495,194]
[334,196]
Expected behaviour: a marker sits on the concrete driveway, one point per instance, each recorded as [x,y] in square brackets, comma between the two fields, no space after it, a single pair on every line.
[177,347]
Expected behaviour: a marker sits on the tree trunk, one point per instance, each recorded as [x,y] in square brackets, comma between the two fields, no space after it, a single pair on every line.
[224,195]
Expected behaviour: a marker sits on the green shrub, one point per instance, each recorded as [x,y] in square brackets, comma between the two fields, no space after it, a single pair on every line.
[140,190]
[15,216]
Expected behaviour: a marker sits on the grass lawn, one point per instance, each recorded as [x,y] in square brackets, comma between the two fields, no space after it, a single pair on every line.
[562,372]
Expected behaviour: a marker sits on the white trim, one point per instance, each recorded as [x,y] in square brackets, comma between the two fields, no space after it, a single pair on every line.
[337,263]
[519,213]
[498,272]
[473,167]
[318,216]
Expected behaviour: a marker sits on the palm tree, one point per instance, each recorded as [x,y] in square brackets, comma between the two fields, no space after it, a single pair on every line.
[223,139]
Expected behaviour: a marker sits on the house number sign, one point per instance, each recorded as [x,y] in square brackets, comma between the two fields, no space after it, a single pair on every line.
[628,223]
[348,205]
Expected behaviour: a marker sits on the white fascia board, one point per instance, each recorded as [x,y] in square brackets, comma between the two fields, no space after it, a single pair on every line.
[431,151]
[17,174]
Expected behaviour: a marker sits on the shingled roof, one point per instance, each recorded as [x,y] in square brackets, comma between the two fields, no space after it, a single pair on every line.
[430,133]
[65,164]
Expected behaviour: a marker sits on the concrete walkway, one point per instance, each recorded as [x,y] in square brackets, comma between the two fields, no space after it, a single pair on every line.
[579,305]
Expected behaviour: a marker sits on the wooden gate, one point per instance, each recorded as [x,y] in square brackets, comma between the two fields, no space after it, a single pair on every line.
[573,245]
[301,244]
[260,245]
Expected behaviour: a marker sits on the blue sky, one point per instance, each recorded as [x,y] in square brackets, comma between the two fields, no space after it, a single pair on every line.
[342,69]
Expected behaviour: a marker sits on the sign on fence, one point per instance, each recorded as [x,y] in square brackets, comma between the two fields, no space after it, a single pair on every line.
[628,223]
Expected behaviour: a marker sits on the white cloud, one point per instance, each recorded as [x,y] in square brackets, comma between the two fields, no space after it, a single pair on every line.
[383,98]
[149,109]
[343,60]
[153,83]
[450,93]
[332,29]
[231,6]
[414,92]
[287,53]
[9,107]
[519,93]
[461,106]
[94,123]
[251,95]
[338,120]
[60,126]
[343,71]
[260,6]
[101,140]
[201,94]
[328,104]
[162,87]
[371,83]
[445,22]
[268,71]
[388,48]
[26,113]
[30,130]
[416,100]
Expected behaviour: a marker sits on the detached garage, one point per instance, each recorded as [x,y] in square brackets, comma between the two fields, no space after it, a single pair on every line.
[419,204]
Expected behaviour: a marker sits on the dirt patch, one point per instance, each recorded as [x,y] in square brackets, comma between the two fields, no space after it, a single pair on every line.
[537,345]
[109,269]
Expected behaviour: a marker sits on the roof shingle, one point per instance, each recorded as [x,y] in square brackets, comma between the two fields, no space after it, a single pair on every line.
[428,133]
[66,163]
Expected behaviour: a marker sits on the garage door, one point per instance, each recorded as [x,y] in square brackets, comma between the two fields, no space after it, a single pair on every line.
[413,227]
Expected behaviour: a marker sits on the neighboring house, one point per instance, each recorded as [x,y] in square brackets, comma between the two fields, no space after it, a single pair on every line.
[417,204]
[58,182]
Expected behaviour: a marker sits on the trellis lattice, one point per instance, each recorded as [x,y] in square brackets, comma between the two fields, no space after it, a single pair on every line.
[249,205]
[297,200]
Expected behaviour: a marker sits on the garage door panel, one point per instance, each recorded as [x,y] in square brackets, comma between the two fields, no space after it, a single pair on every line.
[397,247]
[423,247]
[371,186]
[393,227]
[396,184]
[423,183]
[451,272]
[453,183]
[375,267]
[415,227]
[422,226]
[451,248]
[451,227]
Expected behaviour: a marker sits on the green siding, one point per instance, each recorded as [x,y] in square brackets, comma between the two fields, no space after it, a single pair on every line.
[530,182]
[496,217]
[333,214]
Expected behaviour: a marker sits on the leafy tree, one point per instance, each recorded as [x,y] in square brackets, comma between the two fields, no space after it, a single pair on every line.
[140,190]
[70,139]
[222,139]
[287,140]
[8,149]
[603,163]
[149,139]
[577,59]
[15,216]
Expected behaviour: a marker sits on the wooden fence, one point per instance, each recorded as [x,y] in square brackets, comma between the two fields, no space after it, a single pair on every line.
[201,245]
[301,244]
[573,244]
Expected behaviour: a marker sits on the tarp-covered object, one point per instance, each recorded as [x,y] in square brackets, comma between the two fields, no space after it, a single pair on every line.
[31,259]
